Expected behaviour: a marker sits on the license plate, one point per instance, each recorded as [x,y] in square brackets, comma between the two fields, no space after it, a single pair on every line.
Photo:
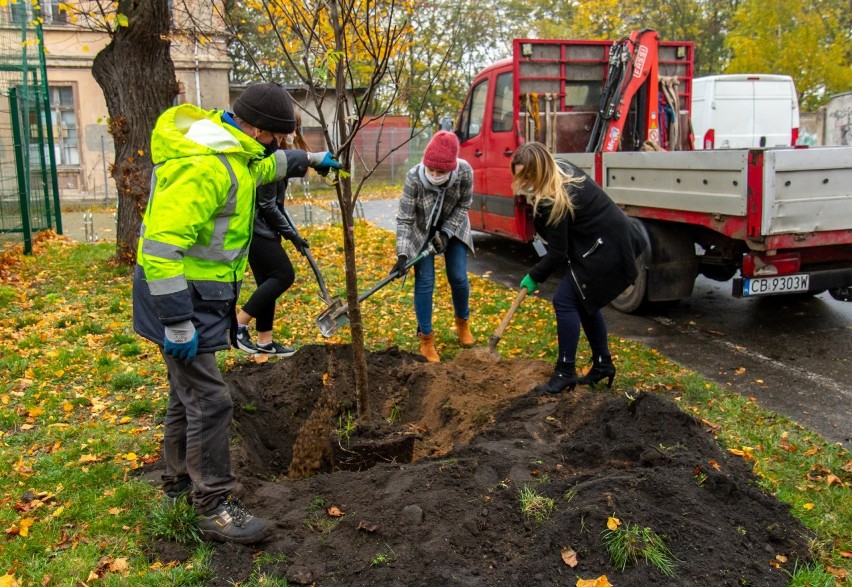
[761,286]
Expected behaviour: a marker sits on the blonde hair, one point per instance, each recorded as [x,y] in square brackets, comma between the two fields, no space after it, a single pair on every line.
[298,140]
[542,181]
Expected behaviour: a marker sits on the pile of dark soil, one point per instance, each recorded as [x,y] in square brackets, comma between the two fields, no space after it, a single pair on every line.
[453,517]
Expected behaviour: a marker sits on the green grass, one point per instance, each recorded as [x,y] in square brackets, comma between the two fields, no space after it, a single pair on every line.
[534,505]
[630,544]
[83,399]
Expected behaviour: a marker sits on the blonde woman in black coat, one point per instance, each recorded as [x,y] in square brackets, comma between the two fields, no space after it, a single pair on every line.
[588,234]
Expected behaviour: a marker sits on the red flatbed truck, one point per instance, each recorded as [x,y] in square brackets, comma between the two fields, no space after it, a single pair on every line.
[778,221]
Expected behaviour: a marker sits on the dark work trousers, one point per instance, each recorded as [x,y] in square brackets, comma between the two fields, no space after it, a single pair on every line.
[273,273]
[570,315]
[197,429]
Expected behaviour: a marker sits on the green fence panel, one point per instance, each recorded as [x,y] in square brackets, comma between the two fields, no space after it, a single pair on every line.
[29,191]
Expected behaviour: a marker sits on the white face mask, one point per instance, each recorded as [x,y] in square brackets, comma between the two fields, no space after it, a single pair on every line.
[438,179]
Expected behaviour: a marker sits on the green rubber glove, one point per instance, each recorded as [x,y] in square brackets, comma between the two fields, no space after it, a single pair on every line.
[528,283]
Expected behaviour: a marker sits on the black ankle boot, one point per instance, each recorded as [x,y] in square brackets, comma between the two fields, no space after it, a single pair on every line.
[602,368]
[564,377]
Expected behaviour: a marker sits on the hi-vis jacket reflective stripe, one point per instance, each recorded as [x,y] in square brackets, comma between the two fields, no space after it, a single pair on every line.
[193,245]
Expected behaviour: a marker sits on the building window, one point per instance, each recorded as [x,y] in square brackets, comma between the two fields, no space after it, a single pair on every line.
[63,117]
[52,12]
[21,12]
[63,122]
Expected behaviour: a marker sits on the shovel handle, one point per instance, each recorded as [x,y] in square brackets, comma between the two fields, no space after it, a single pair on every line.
[326,297]
[508,317]
[423,254]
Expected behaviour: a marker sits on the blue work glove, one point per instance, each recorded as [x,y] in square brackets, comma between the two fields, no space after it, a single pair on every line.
[181,341]
[528,283]
[323,162]
[399,268]
[439,242]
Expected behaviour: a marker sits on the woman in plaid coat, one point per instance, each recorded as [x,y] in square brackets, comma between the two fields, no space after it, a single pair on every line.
[433,210]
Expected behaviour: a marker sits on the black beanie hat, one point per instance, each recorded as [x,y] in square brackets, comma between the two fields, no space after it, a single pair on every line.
[266,106]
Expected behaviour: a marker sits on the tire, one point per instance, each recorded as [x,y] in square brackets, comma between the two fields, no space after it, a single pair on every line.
[635,297]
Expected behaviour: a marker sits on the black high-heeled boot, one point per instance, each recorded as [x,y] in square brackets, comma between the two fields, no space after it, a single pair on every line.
[602,368]
[564,377]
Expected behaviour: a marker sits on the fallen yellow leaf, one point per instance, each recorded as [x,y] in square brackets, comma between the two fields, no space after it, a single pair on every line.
[613,523]
[601,581]
[809,506]
[569,557]
[8,581]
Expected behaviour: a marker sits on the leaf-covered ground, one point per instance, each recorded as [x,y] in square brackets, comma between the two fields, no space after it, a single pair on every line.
[83,399]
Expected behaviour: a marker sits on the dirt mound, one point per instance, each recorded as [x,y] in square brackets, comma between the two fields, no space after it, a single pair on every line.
[453,516]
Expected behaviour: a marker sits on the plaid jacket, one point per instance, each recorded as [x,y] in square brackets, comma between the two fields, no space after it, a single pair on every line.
[416,219]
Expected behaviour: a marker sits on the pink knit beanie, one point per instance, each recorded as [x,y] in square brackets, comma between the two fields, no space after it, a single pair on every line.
[442,152]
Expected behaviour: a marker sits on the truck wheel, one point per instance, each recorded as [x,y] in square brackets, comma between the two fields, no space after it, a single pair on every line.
[842,294]
[635,297]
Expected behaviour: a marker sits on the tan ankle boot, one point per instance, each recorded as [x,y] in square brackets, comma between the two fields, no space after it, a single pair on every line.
[463,330]
[427,347]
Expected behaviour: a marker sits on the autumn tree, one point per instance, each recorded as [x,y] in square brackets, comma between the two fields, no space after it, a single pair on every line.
[448,42]
[343,44]
[810,41]
[137,75]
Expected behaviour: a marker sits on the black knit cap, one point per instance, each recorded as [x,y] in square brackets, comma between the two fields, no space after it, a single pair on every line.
[266,106]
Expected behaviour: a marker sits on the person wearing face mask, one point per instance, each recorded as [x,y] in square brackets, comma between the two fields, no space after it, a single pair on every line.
[270,264]
[191,259]
[433,210]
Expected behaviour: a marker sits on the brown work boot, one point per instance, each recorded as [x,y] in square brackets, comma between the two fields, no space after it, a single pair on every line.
[463,330]
[427,347]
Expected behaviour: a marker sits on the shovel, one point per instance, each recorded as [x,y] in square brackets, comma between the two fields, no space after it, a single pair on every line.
[331,319]
[333,303]
[498,334]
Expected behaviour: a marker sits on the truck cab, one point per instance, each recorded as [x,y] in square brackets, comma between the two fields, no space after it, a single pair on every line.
[550,91]
[488,137]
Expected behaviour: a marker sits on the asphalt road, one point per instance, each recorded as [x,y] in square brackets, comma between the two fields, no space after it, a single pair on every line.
[792,355]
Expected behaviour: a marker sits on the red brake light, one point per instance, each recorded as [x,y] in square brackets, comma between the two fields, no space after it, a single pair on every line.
[762,266]
[709,139]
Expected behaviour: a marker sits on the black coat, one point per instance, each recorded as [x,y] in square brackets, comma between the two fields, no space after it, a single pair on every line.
[269,219]
[599,244]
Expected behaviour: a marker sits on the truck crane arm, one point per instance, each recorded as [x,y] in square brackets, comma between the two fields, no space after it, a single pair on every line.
[633,72]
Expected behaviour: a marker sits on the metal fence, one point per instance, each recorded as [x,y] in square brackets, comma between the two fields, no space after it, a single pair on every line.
[386,154]
[29,191]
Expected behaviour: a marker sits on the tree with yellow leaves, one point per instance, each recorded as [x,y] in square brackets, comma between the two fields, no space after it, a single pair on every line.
[810,41]
[344,45]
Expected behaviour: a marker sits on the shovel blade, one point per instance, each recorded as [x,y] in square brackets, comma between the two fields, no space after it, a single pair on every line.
[332,318]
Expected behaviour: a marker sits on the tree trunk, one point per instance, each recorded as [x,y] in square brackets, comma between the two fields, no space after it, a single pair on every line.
[137,75]
[359,355]
[346,200]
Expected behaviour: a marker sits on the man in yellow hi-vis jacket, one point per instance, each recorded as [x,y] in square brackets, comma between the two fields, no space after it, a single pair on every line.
[191,259]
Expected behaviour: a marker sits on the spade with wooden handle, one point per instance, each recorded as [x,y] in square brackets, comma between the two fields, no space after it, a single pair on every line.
[498,334]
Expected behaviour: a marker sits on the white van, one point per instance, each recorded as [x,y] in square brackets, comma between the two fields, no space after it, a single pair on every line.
[744,111]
